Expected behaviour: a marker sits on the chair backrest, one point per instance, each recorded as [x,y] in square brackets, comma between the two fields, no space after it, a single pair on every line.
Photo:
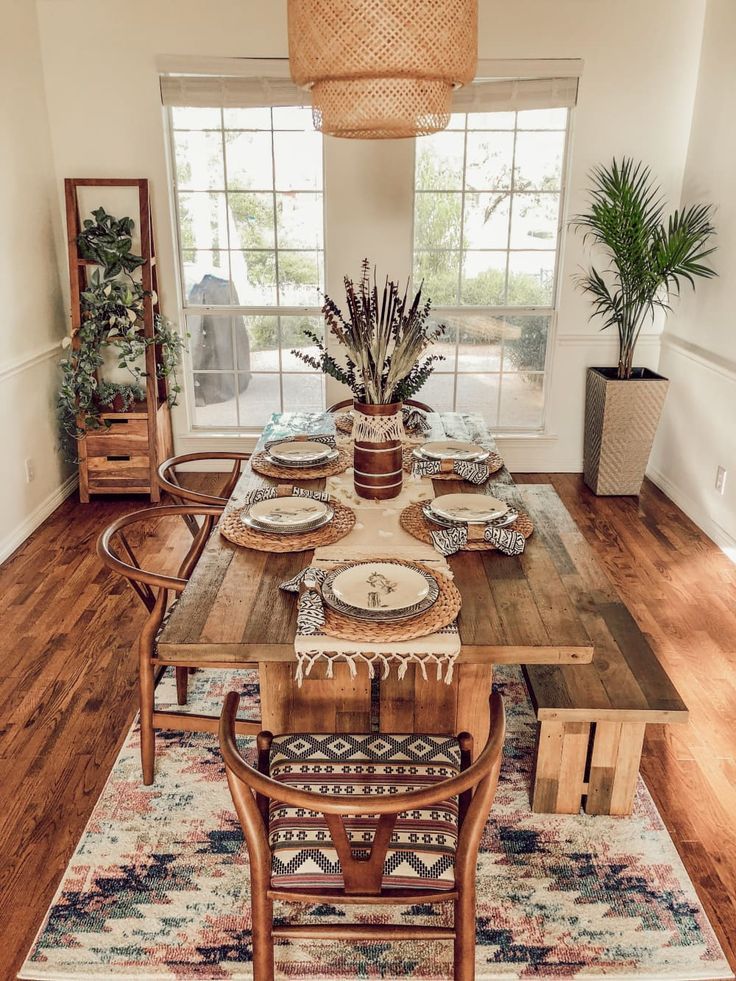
[115,552]
[348,404]
[252,789]
[168,479]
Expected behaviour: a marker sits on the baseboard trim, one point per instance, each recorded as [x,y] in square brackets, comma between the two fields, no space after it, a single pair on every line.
[723,539]
[37,517]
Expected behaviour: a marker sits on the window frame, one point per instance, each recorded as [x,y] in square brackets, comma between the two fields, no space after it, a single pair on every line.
[551,311]
[275,310]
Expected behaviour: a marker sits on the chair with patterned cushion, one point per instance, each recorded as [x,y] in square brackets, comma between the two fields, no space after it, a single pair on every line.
[363,819]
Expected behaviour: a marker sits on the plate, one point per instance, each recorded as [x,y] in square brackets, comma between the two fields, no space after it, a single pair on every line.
[291,513]
[304,451]
[473,509]
[301,464]
[452,449]
[506,519]
[379,591]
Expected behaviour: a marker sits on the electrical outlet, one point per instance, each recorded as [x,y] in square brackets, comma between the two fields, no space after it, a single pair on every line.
[30,470]
[721,473]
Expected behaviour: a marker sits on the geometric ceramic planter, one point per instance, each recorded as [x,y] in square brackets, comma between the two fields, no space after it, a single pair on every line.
[621,419]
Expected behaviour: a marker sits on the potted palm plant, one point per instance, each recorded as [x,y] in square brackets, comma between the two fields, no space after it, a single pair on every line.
[649,257]
[385,336]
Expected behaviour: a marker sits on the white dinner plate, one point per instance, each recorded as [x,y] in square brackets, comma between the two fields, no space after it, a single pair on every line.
[288,512]
[453,449]
[379,590]
[300,451]
[471,508]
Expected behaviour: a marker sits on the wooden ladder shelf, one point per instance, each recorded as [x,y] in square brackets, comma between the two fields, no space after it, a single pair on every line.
[122,458]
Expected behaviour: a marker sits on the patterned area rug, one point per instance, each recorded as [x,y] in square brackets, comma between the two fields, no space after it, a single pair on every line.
[158,886]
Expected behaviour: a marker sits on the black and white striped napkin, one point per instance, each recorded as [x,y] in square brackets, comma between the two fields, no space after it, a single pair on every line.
[266,493]
[447,541]
[310,616]
[470,470]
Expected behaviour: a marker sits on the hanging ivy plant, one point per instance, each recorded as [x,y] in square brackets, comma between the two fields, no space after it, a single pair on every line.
[112,308]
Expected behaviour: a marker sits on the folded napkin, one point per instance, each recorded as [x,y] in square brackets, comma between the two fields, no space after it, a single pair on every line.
[470,470]
[415,420]
[451,540]
[327,438]
[310,615]
[281,490]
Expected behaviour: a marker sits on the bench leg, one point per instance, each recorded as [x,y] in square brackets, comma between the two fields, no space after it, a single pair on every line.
[614,767]
[559,773]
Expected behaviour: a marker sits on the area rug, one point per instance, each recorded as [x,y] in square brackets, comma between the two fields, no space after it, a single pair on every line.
[158,886]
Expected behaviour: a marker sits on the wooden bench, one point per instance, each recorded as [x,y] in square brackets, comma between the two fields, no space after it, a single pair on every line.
[591,718]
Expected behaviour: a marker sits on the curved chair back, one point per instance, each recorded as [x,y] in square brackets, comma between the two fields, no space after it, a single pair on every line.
[348,404]
[116,553]
[168,479]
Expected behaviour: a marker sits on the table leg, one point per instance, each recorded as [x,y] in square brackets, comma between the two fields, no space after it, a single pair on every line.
[338,704]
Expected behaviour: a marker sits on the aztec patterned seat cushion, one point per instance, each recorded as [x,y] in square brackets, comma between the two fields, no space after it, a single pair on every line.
[421,854]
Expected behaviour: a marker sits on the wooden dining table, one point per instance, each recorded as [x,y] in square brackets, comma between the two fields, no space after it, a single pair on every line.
[515,610]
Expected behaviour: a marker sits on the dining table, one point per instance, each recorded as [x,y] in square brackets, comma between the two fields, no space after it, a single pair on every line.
[516,609]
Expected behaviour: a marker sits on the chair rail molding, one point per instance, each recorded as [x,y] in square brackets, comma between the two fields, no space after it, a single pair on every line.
[708,359]
[17,365]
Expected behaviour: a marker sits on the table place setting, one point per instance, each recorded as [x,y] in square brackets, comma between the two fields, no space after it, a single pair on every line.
[450,459]
[301,456]
[468,522]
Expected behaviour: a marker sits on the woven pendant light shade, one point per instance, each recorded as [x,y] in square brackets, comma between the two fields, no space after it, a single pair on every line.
[381,69]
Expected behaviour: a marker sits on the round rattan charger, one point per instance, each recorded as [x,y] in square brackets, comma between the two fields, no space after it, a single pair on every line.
[413,521]
[260,464]
[440,614]
[494,464]
[232,528]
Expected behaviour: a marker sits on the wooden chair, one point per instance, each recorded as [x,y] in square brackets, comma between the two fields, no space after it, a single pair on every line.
[296,836]
[154,589]
[168,480]
[348,404]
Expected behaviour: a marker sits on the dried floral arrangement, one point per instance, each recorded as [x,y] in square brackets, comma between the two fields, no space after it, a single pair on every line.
[385,338]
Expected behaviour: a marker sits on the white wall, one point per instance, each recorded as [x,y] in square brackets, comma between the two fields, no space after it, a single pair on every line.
[636,97]
[698,431]
[33,320]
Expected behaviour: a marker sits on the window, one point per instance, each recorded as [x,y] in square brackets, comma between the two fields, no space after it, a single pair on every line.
[486,223]
[249,206]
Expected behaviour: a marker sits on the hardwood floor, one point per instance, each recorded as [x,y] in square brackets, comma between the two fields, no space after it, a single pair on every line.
[67,688]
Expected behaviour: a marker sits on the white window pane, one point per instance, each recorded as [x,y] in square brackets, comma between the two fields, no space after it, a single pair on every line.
[531,278]
[437,220]
[199,161]
[202,220]
[447,343]
[214,399]
[538,161]
[439,161]
[249,161]
[484,278]
[487,220]
[304,393]
[438,274]
[293,117]
[457,121]
[543,119]
[299,221]
[489,161]
[438,392]
[491,120]
[301,277]
[259,401]
[251,221]
[525,343]
[254,277]
[193,118]
[298,159]
[263,343]
[259,118]
[211,343]
[522,401]
[294,338]
[479,342]
[534,221]
[206,274]
[479,393]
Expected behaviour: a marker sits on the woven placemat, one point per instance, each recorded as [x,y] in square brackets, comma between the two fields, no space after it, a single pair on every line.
[344,422]
[413,521]
[440,614]
[259,463]
[494,464]
[232,528]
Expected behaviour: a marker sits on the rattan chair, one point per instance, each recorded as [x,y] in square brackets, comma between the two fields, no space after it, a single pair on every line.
[168,480]
[348,404]
[302,849]
[154,589]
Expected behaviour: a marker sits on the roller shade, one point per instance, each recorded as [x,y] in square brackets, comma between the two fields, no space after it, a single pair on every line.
[230,91]
[504,95]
